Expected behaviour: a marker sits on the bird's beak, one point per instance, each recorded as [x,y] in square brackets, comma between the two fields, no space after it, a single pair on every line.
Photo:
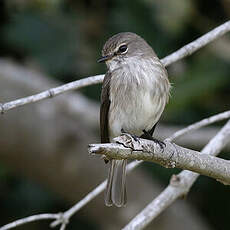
[104,58]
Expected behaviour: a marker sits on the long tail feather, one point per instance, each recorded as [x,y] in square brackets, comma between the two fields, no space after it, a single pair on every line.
[116,185]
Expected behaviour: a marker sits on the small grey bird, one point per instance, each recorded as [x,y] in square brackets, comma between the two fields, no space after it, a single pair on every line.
[134,93]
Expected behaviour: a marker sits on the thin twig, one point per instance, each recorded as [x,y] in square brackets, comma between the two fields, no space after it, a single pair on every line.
[90,196]
[30,219]
[66,215]
[199,124]
[51,92]
[192,47]
[63,226]
[179,185]
[181,53]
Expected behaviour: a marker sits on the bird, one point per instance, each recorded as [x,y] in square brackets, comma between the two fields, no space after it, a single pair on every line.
[134,93]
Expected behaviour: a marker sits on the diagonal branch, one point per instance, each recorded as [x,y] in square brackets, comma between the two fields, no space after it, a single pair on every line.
[51,92]
[199,124]
[181,53]
[197,44]
[179,184]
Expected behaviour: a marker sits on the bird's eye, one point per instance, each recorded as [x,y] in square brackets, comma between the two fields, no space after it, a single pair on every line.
[122,49]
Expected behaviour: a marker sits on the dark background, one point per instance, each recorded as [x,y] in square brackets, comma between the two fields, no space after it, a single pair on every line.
[63,39]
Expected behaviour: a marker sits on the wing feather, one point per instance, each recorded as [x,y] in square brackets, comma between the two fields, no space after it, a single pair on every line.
[104,110]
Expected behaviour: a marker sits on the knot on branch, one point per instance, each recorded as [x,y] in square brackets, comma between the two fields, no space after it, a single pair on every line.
[175,180]
[61,219]
[51,93]
[178,181]
[171,161]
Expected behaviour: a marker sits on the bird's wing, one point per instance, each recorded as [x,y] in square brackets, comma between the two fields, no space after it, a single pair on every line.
[104,110]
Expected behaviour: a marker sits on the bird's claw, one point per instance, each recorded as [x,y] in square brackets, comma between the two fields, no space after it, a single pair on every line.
[129,140]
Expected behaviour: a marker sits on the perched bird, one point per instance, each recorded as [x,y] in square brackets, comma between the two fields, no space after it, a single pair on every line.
[134,93]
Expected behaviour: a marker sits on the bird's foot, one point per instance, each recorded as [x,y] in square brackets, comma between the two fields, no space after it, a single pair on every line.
[105,158]
[161,143]
[129,141]
[148,136]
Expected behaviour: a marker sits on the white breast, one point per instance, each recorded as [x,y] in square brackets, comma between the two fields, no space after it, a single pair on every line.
[138,94]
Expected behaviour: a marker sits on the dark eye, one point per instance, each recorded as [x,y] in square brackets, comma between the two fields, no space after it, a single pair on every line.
[123,49]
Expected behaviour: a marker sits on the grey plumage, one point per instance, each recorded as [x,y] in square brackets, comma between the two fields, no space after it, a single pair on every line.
[134,93]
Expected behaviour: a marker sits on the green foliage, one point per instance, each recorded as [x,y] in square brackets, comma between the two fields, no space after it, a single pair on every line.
[48,39]
[194,91]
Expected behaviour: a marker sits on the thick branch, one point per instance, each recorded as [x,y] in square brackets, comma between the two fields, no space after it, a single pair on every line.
[168,155]
[179,186]
[181,53]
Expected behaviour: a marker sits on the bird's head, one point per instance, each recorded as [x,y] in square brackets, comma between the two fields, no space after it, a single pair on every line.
[121,47]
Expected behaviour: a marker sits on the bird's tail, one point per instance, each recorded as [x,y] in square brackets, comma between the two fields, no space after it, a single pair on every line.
[116,185]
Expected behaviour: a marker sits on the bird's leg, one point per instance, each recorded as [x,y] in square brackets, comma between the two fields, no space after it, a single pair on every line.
[148,136]
[106,160]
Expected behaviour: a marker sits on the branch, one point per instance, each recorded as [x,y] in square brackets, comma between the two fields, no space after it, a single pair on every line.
[20,80]
[90,196]
[199,124]
[181,53]
[51,92]
[69,213]
[30,219]
[192,140]
[179,185]
[63,218]
[100,188]
[166,154]
[197,44]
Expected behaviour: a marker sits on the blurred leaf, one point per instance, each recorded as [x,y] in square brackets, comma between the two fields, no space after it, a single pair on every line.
[172,16]
[192,91]
[50,39]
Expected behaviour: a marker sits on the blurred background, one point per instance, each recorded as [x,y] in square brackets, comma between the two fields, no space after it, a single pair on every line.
[44,164]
